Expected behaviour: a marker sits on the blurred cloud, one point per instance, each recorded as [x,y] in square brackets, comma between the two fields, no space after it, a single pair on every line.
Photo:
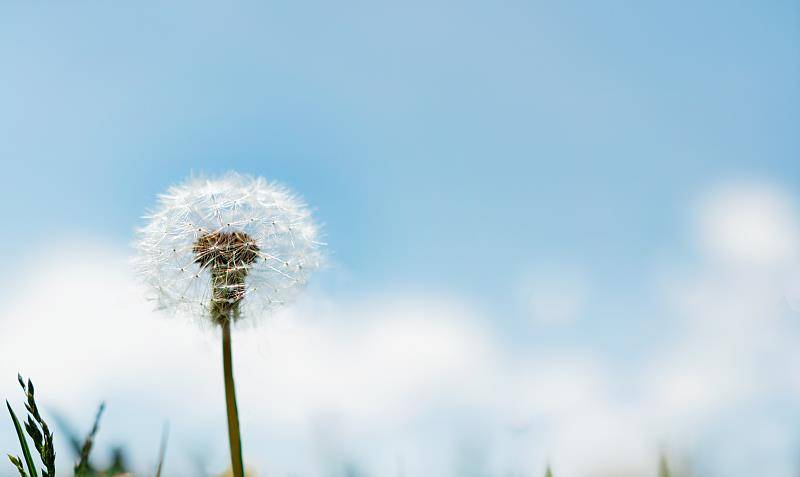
[554,294]
[417,374]
[402,384]
[736,352]
[751,224]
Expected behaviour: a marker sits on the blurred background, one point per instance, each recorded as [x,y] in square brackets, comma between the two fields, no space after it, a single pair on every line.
[560,232]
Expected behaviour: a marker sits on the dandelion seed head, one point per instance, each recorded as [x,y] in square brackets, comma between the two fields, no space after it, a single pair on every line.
[229,247]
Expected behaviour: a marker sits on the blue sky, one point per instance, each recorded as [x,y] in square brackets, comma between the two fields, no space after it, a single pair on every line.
[424,132]
[450,148]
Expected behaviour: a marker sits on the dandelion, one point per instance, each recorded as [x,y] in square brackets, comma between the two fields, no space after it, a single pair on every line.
[227,249]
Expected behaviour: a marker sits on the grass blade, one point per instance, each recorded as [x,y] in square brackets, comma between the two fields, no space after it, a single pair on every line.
[663,467]
[23,443]
[63,425]
[83,467]
[163,450]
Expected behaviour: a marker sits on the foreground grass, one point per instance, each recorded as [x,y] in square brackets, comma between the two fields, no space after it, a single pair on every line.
[35,428]
[40,434]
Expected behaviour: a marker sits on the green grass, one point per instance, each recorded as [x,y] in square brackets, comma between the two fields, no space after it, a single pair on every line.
[38,431]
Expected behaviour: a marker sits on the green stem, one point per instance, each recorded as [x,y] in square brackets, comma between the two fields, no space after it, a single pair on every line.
[234,436]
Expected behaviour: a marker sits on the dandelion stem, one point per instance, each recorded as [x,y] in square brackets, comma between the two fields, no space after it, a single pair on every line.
[234,436]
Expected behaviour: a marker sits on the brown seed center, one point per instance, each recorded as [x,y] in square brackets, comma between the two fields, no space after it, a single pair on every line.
[228,255]
[225,250]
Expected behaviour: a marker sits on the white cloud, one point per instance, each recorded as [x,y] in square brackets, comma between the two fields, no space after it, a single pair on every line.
[749,224]
[737,348]
[399,384]
[395,378]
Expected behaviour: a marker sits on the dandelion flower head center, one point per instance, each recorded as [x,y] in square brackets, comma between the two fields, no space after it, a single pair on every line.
[228,251]
[229,256]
